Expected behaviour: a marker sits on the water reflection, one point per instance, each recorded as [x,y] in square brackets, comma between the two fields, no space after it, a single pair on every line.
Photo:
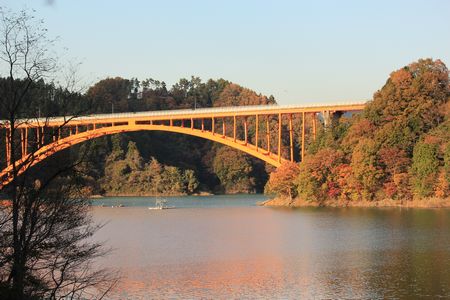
[255,252]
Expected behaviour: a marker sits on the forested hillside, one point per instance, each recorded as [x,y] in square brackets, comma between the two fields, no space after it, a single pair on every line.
[149,163]
[398,149]
[153,163]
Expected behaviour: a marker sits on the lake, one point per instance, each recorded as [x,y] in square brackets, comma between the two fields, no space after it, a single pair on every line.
[222,247]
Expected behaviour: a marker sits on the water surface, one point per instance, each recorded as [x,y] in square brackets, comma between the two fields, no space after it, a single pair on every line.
[225,247]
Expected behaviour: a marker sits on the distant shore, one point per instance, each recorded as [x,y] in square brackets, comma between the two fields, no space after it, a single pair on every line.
[147,195]
[422,203]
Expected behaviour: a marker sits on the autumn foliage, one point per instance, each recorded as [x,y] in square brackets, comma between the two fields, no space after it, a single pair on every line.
[399,148]
[281,180]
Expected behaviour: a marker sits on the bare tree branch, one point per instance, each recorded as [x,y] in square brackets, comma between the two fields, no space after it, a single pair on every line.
[45,248]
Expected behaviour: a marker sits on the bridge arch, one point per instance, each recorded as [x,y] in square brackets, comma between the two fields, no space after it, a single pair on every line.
[74,139]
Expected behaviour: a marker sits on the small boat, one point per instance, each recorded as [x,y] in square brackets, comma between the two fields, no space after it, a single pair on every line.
[161,204]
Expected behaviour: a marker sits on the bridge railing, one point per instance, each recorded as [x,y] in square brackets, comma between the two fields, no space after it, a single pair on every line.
[198,112]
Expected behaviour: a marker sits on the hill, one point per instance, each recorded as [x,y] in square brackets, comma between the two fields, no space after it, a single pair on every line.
[396,153]
[154,163]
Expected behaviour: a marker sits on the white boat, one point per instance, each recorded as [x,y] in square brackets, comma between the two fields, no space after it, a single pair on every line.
[161,204]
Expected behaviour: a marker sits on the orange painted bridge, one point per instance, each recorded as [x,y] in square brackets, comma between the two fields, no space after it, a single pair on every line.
[38,139]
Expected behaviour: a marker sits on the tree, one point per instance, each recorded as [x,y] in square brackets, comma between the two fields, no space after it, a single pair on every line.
[110,95]
[365,168]
[424,168]
[172,180]
[318,176]
[442,185]
[282,180]
[395,164]
[447,162]
[361,127]
[190,181]
[233,169]
[44,247]
[235,95]
[134,158]
[410,103]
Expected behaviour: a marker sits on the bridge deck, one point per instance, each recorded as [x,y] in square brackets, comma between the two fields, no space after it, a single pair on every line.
[195,113]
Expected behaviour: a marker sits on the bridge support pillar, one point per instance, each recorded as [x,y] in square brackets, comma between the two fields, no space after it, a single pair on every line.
[327,115]
[303,136]
[279,136]
[268,134]
[331,118]
[40,136]
[7,144]
[22,141]
[25,142]
[224,127]
[291,138]
[245,131]
[314,125]
[256,132]
[234,128]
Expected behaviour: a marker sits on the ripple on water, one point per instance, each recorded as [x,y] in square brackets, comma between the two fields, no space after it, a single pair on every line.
[253,252]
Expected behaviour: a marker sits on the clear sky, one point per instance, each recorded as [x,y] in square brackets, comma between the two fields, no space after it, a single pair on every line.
[298,51]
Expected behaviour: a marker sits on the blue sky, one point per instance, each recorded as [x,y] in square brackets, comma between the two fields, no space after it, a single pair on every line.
[299,51]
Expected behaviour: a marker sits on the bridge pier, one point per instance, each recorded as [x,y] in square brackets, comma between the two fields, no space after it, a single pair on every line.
[331,118]
[256,132]
[291,138]
[327,115]
[234,128]
[24,140]
[268,135]
[314,125]
[279,137]
[224,127]
[303,136]
[7,144]
[245,131]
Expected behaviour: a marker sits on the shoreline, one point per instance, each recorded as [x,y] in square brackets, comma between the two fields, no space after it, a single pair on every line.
[420,203]
[148,195]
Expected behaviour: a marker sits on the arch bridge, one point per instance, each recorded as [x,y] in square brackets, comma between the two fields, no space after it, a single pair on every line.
[37,139]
